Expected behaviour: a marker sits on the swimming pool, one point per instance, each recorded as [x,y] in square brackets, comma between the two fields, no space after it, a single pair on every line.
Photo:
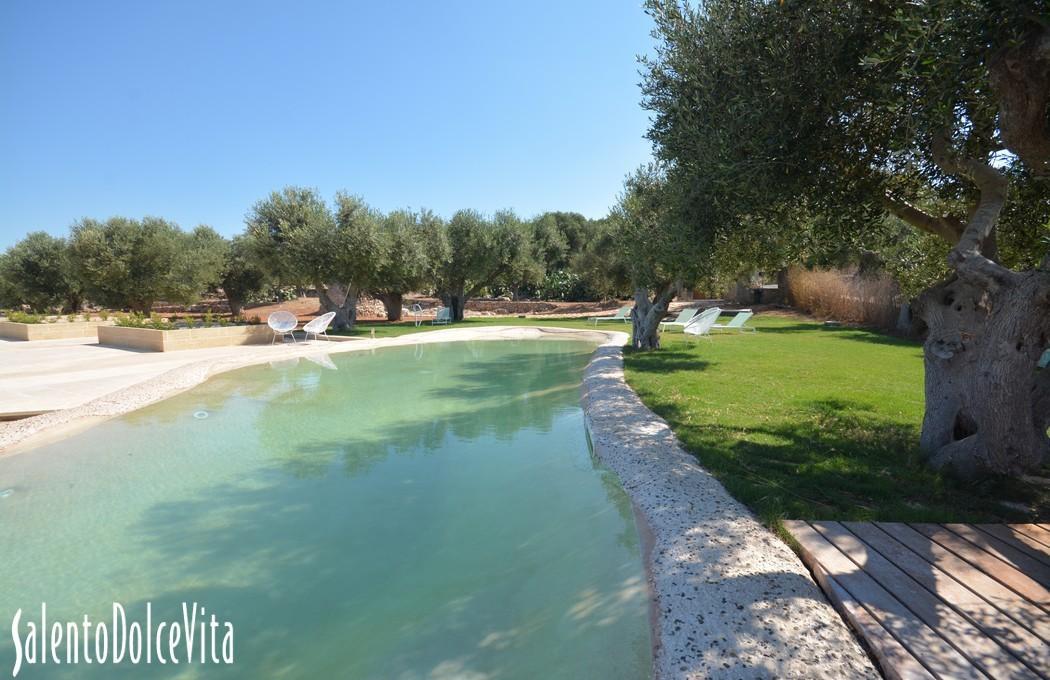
[418,512]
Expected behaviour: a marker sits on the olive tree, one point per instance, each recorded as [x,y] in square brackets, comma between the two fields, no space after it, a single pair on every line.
[600,263]
[127,263]
[934,112]
[476,253]
[302,242]
[243,274]
[36,272]
[405,265]
[658,248]
[357,249]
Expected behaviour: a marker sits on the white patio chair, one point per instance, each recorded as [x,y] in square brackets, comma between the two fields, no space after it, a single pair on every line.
[622,314]
[417,313]
[319,326]
[282,323]
[684,317]
[700,325]
[443,316]
[737,323]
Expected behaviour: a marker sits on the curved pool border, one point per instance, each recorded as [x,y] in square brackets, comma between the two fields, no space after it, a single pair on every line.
[730,599]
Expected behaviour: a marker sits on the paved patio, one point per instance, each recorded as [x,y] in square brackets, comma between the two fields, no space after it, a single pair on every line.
[47,375]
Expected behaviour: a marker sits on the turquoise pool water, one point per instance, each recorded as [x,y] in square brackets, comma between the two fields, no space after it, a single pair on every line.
[418,512]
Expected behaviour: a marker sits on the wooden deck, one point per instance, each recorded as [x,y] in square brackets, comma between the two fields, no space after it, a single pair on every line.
[939,600]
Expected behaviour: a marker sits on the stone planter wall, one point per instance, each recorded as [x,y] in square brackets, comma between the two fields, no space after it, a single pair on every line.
[184,338]
[11,330]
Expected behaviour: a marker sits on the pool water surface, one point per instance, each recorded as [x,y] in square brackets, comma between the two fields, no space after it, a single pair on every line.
[428,511]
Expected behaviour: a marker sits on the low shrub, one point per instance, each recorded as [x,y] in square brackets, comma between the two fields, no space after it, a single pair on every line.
[23,317]
[154,322]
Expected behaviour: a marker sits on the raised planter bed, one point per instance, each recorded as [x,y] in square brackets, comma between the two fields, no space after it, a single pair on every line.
[12,330]
[152,340]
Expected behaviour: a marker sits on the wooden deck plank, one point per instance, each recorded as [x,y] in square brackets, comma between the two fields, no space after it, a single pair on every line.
[1036,532]
[1002,571]
[896,662]
[1022,541]
[1022,643]
[1006,600]
[970,640]
[1022,561]
[937,655]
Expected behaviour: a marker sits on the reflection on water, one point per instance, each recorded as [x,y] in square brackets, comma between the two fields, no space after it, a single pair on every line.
[416,513]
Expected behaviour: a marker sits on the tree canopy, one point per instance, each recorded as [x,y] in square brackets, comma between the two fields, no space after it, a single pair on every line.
[131,263]
[803,124]
[36,272]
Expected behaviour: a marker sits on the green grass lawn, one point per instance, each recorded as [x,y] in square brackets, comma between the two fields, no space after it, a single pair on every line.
[799,421]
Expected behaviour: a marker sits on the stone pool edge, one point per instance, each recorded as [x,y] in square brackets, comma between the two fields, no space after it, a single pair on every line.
[22,435]
[730,599]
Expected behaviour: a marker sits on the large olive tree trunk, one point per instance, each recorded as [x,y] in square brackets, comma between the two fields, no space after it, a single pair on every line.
[341,300]
[392,302]
[647,314]
[987,404]
[236,304]
[456,301]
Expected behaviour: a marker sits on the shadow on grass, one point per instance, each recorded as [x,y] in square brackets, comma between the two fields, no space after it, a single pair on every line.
[669,360]
[846,333]
[838,460]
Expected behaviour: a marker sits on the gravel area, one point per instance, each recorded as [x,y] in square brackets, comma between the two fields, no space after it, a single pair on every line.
[730,599]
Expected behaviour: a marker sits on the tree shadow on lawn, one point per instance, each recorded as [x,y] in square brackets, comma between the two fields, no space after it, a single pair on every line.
[846,333]
[838,460]
[668,360]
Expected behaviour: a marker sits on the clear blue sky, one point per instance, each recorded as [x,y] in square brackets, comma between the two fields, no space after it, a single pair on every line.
[194,110]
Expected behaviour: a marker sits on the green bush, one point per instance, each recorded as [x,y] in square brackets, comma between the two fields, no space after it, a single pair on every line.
[136,320]
[22,317]
[563,284]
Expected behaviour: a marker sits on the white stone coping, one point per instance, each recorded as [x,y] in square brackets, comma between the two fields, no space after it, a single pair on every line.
[730,599]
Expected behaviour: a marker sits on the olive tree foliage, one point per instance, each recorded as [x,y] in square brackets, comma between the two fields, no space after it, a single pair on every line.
[128,263]
[519,254]
[407,239]
[477,253]
[243,274]
[600,263]
[660,248]
[36,272]
[301,241]
[358,248]
[933,112]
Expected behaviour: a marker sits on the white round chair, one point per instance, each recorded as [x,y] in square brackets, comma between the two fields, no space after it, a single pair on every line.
[319,326]
[282,323]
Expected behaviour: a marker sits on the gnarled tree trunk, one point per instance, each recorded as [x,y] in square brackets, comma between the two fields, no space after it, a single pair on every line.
[647,315]
[986,401]
[333,299]
[392,302]
[456,301]
[236,304]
